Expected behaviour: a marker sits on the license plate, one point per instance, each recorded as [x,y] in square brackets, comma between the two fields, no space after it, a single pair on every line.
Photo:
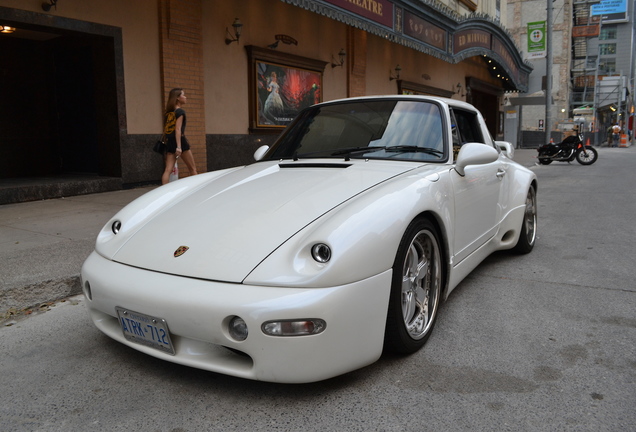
[145,330]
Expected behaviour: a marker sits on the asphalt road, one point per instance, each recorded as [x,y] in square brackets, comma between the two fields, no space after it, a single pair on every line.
[541,342]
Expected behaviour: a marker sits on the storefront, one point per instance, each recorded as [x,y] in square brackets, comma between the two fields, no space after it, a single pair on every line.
[88,80]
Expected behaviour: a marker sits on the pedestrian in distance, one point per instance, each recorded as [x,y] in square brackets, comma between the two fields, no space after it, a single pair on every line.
[616,135]
[174,128]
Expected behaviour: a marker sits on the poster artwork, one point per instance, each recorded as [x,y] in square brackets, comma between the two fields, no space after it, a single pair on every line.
[283,92]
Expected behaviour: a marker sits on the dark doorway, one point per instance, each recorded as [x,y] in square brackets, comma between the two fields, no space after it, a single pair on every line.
[76,128]
[62,115]
[488,105]
[485,97]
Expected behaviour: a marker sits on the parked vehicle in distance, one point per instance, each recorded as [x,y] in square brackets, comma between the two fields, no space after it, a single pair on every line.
[338,243]
[570,148]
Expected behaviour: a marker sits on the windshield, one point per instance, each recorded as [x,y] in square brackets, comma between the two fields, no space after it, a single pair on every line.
[376,129]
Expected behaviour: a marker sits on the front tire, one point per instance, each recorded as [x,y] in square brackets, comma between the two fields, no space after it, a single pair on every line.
[587,156]
[528,235]
[416,288]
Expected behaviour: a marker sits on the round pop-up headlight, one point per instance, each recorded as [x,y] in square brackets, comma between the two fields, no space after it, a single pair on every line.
[304,327]
[321,252]
[238,329]
[116,226]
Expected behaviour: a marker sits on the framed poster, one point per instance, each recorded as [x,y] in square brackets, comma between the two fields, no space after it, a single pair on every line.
[280,86]
[411,88]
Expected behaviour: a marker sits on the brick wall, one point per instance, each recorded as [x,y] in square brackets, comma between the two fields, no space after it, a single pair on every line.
[182,66]
[357,80]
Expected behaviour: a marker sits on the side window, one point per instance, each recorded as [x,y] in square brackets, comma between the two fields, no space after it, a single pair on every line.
[467,127]
[457,142]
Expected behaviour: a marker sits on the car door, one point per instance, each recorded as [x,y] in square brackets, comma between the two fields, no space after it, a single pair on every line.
[477,193]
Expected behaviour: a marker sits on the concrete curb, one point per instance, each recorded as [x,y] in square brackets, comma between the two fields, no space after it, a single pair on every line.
[18,301]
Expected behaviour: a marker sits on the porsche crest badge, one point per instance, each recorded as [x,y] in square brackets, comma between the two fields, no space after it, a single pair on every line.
[180,251]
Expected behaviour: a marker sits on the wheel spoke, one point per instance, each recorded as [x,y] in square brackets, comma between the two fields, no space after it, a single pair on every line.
[408,295]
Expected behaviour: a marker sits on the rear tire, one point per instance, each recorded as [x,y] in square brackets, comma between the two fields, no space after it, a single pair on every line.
[416,288]
[528,235]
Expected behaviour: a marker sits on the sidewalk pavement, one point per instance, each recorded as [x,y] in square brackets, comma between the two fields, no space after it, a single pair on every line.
[44,243]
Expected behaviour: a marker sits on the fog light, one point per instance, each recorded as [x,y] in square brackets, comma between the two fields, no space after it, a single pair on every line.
[238,329]
[321,252]
[306,327]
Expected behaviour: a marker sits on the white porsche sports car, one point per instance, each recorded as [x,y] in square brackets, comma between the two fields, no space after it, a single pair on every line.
[338,243]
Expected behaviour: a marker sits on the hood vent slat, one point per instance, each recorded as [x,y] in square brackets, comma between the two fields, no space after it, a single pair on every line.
[314,165]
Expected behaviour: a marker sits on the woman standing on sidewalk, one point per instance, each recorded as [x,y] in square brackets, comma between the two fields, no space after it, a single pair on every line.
[174,128]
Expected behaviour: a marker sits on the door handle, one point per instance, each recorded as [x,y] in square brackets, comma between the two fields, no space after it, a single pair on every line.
[501,173]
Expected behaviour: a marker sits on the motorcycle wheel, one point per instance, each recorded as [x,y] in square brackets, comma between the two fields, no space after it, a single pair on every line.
[587,156]
[545,161]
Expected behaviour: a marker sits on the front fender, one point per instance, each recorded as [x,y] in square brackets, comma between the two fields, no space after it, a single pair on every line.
[363,234]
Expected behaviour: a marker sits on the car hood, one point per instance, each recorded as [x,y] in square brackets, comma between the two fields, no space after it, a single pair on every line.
[233,222]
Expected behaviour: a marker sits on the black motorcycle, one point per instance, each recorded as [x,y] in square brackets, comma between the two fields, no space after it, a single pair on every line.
[566,151]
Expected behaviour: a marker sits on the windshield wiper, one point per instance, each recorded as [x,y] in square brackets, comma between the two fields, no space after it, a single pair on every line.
[349,151]
[408,148]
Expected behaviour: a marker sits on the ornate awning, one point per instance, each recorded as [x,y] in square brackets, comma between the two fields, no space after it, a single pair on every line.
[433,29]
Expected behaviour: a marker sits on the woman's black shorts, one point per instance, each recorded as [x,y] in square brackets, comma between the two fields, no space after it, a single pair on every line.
[171,145]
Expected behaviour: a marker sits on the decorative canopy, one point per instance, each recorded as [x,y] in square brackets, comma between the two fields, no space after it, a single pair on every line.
[433,29]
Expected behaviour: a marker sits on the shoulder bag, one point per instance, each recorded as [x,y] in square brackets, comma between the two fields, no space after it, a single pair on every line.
[160,145]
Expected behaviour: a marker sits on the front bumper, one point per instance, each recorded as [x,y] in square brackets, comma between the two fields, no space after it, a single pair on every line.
[197,312]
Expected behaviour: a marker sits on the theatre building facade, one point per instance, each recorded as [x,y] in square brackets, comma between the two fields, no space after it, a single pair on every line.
[85,82]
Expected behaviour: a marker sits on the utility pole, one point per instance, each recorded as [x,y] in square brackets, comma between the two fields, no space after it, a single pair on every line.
[632,76]
[598,133]
[548,73]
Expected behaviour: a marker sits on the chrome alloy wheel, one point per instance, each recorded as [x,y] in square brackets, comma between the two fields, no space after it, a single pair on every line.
[421,284]
[530,217]
[528,230]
